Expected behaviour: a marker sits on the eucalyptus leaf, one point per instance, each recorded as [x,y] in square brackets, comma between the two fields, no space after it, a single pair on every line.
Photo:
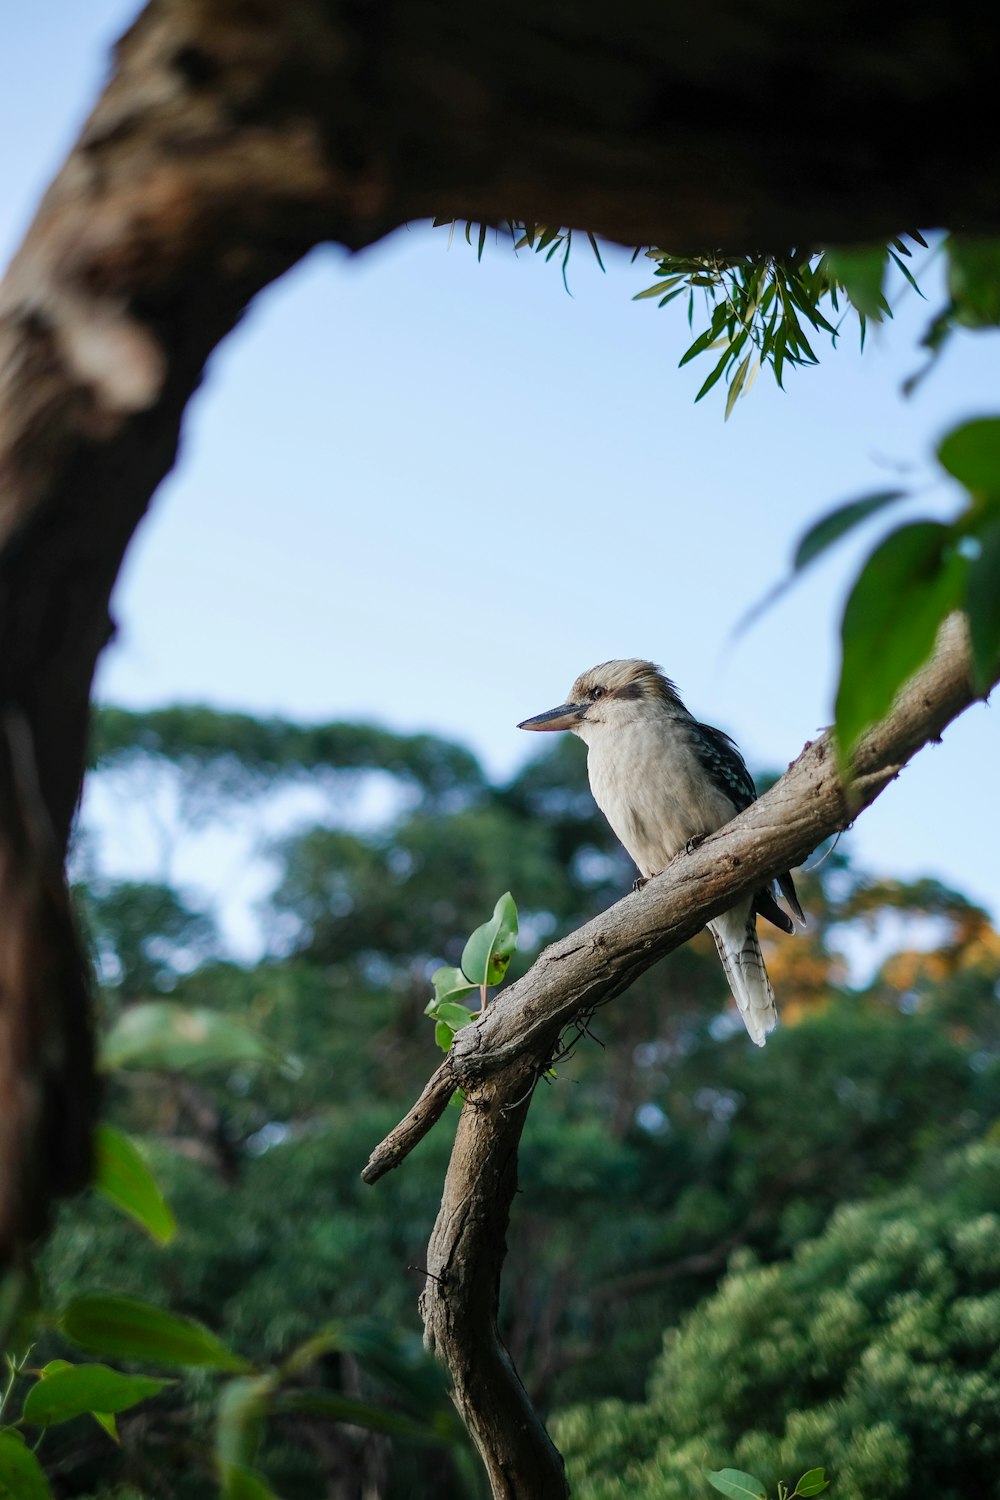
[73,1390]
[821,535]
[812,1483]
[912,580]
[861,272]
[971,453]
[737,1485]
[488,952]
[121,1174]
[837,523]
[736,385]
[127,1328]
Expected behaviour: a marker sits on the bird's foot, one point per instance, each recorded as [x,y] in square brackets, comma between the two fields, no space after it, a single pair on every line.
[692,843]
[639,882]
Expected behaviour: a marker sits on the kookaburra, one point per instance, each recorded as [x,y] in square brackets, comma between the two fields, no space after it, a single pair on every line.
[662,780]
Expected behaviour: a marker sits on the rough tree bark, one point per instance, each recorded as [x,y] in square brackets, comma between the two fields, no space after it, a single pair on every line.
[498,1059]
[236,134]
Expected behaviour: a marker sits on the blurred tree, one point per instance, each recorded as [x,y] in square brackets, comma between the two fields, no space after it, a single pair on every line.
[143,935]
[873,1351]
[696,1149]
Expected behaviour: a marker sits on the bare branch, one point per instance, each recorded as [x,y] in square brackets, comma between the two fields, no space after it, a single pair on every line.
[498,1059]
[414,1126]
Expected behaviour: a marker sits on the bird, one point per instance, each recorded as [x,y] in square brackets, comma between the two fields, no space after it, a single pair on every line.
[664,782]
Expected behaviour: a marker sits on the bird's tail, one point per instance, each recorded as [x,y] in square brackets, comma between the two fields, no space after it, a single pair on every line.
[735,934]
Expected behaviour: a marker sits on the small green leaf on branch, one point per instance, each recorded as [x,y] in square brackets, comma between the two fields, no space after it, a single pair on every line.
[737,1485]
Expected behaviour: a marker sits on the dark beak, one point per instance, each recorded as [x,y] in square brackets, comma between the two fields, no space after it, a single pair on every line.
[566,716]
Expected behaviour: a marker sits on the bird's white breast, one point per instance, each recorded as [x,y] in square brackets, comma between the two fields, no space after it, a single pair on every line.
[649,784]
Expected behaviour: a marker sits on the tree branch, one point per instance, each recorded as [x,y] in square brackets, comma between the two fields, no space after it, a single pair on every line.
[498,1059]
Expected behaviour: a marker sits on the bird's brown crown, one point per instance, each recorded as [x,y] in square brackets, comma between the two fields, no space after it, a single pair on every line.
[624,679]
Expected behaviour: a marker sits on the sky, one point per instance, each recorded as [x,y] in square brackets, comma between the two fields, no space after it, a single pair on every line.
[428,492]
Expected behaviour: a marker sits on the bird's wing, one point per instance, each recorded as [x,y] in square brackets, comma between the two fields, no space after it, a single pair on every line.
[787,887]
[765,906]
[724,763]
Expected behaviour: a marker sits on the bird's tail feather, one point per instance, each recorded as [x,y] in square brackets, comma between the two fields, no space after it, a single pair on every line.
[736,939]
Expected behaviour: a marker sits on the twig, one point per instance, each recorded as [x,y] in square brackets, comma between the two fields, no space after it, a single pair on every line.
[414,1126]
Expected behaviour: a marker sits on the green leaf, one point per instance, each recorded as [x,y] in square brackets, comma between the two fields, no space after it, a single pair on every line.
[21,1476]
[971,453]
[449,984]
[489,949]
[821,535]
[106,1420]
[123,1177]
[63,1394]
[716,374]
[736,385]
[836,523]
[974,279]
[860,271]
[126,1328]
[982,602]
[444,1036]
[812,1483]
[160,1034]
[455,1016]
[912,580]
[735,1483]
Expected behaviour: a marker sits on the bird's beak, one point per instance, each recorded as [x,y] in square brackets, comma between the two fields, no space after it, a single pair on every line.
[566,716]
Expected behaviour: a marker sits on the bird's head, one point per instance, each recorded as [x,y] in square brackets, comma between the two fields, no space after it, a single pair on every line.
[608,697]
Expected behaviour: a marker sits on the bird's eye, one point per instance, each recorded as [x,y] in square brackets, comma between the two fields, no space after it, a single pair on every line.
[595,693]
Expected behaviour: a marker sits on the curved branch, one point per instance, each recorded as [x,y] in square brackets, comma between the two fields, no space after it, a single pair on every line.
[498,1059]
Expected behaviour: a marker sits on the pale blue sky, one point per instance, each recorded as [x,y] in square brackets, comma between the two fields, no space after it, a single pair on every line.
[429,492]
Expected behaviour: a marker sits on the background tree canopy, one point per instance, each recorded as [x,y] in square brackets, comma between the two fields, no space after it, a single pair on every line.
[703,1155]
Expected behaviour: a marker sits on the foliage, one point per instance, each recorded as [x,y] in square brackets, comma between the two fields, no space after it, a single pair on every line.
[876,1343]
[142,934]
[670,1130]
[131,1328]
[755,308]
[485,959]
[916,576]
[740,1486]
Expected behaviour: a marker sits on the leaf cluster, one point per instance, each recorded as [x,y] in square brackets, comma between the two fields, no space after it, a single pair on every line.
[915,577]
[485,960]
[740,1486]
